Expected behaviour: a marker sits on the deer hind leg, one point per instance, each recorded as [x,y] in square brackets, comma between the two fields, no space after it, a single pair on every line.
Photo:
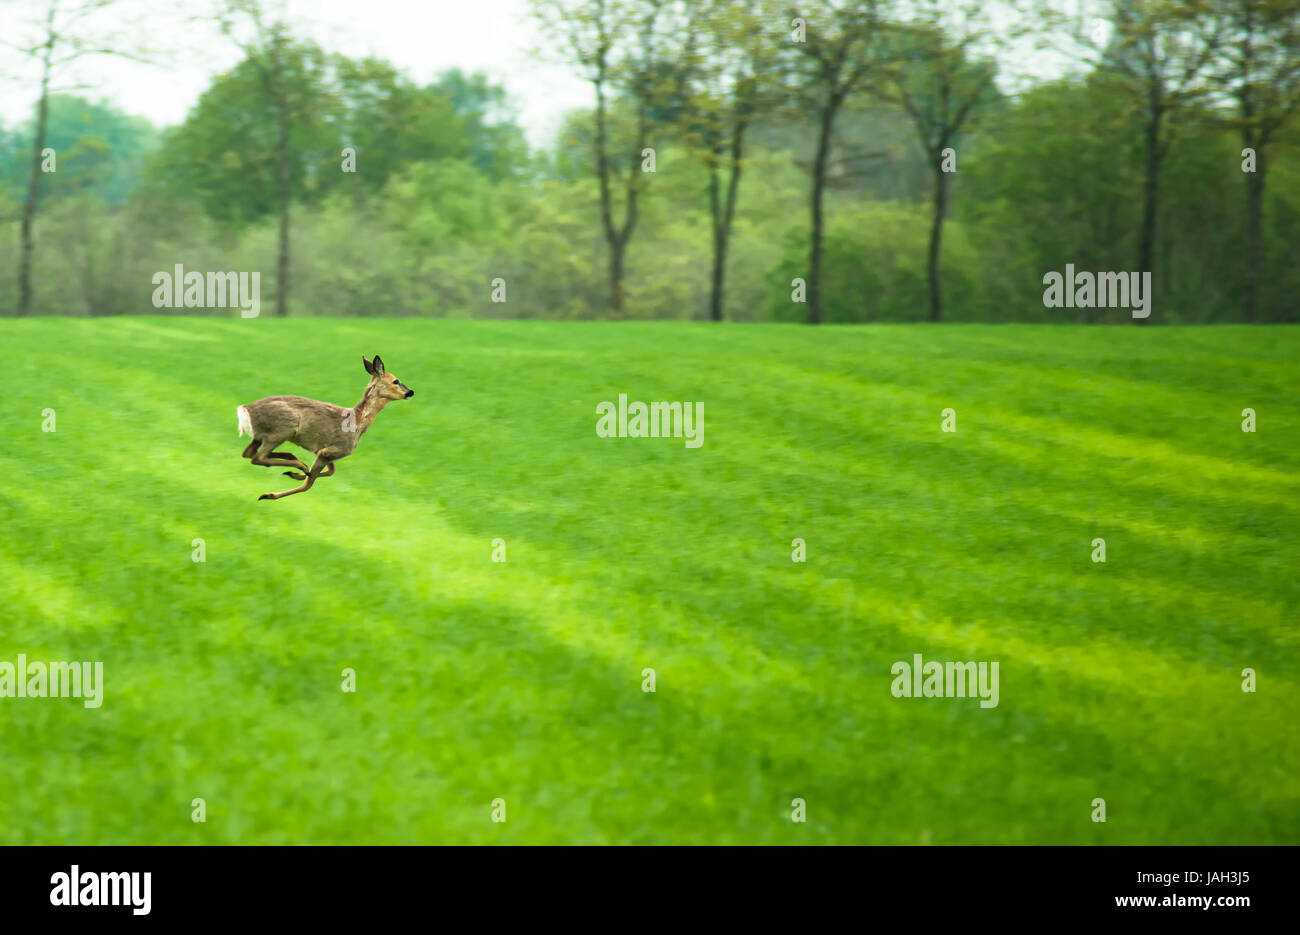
[251,449]
[321,463]
[329,469]
[266,457]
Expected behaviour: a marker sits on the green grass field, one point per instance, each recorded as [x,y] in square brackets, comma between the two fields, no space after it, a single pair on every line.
[522,680]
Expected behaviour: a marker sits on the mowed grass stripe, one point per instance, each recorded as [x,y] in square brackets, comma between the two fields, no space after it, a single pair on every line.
[478,680]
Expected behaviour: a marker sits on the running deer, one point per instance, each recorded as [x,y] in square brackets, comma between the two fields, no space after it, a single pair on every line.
[330,431]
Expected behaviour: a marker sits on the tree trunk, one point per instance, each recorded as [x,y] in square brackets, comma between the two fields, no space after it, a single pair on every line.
[33,195]
[1151,199]
[1254,237]
[818,188]
[936,240]
[284,185]
[631,189]
[723,216]
[282,265]
[612,239]
[719,241]
[617,249]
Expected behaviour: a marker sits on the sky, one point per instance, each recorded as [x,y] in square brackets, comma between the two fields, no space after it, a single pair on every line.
[421,37]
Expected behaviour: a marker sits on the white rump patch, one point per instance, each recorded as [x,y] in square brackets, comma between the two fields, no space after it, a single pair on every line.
[245,422]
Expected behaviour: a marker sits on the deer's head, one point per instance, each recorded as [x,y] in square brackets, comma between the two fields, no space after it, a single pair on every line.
[385,385]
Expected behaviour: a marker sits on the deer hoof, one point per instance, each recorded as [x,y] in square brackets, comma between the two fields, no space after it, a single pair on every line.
[267,496]
[295,475]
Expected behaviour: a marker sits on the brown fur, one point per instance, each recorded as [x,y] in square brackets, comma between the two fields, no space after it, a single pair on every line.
[331,432]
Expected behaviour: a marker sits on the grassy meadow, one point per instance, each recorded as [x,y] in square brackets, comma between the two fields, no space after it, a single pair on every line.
[522,680]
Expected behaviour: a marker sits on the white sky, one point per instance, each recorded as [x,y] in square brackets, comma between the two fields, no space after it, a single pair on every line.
[420,37]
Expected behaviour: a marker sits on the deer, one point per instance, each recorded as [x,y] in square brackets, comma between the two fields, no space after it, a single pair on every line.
[331,432]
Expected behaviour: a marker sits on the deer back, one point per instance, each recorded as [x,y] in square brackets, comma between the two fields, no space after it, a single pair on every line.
[315,425]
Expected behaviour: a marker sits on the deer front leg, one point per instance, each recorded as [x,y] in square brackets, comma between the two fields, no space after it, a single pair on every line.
[321,463]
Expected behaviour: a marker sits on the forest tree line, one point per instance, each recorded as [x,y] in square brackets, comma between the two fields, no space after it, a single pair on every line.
[745,160]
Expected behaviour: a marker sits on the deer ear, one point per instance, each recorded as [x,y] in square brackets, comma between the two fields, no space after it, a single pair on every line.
[378,370]
[367,364]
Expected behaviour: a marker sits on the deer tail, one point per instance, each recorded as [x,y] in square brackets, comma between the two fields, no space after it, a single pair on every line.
[245,421]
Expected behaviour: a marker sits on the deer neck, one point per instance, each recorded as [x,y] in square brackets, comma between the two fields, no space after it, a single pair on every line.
[369,407]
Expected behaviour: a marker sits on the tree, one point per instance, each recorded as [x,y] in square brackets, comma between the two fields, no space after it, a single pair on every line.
[734,83]
[231,156]
[846,45]
[389,121]
[101,151]
[944,87]
[1022,192]
[637,52]
[64,32]
[1161,53]
[495,142]
[271,52]
[1260,71]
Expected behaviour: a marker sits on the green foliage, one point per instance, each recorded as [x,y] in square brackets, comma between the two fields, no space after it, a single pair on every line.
[99,151]
[494,142]
[390,123]
[446,198]
[225,154]
[870,268]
